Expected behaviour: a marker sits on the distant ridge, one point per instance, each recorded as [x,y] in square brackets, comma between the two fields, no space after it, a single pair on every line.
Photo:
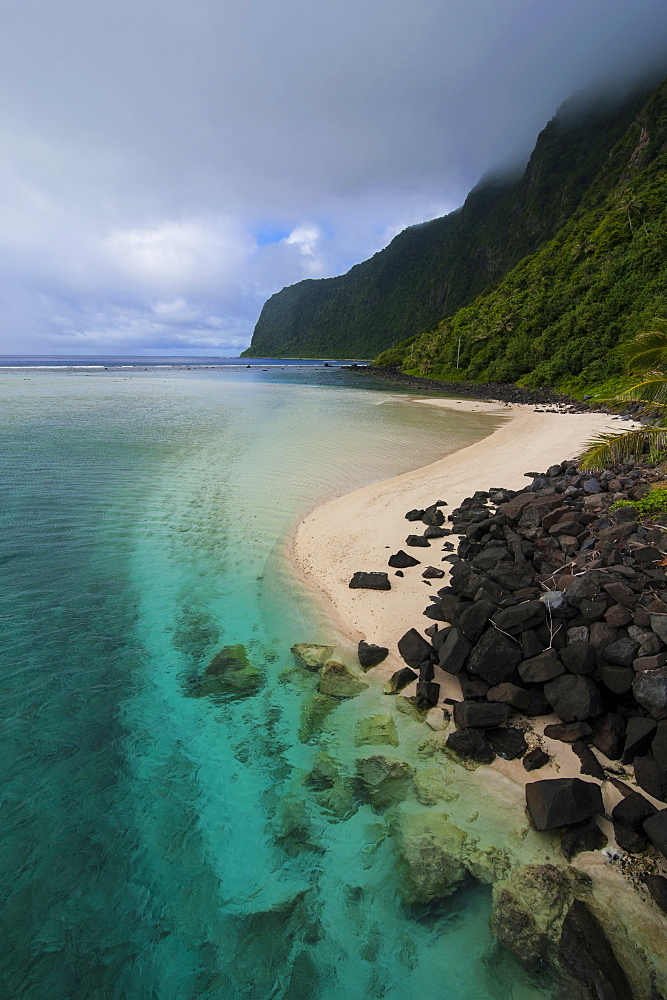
[429,271]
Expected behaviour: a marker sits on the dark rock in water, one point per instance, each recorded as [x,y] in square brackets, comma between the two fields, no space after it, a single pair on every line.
[417,541]
[650,690]
[479,715]
[633,811]
[414,648]
[554,802]
[428,693]
[535,759]
[510,694]
[454,652]
[578,657]
[414,515]
[470,744]
[651,777]
[609,735]
[520,617]
[433,573]
[543,667]
[586,836]
[638,737]
[509,743]
[656,828]
[370,655]
[587,956]
[383,781]
[402,560]
[370,581]
[472,621]
[495,657]
[230,675]
[568,732]
[657,886]
[573,697]
[472,687]
[589,762]
[400,679]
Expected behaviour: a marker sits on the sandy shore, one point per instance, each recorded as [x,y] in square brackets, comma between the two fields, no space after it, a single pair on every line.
[360,530]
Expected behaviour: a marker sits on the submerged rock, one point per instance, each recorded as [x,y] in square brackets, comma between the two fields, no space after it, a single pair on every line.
[230,675]
[432,787]
[314,713]
[383,781]
[430,849]
[530,906]
[587,956]
[310,655]
[376,730]
[338,681]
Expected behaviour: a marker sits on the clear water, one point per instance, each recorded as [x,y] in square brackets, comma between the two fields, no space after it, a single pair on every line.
[157,846]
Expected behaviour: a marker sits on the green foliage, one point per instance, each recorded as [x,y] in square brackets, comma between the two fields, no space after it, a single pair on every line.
[613,449]
[431,271]
[561,316]
[654,504]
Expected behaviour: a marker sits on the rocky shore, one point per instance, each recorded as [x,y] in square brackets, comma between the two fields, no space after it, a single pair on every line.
[554,624]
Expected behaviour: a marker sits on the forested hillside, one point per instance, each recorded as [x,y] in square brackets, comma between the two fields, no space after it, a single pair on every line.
[558,316]
[430,271]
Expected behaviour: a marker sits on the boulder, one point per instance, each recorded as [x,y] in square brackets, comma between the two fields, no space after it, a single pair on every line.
[229,676]
[472,687]
[472,621]
[578,657]
[383,781]
[414,649]
[432,516]
[632,811]
[657,886]
[338,681]
[568,732]
[510,694]
[589,762]
[535,759]
[555,802]
[609,735]
[479,715]
[370,581]
[376,730]
[529,908]
[617,679]
[586,836]
[402,560]
[520,617]
[370,655]
[512,576]
[494,657]
[454,651]
[310,655]
[638,737]
[543,667]
[471,745]
[414,515]
[656,829]
[651,777]
[623,652]
[573,697]
[429,851]
[432,787]
[400,679]
[659,744]
[433,573]
[508,742]
[427,694]
[587,956]
[417,541]
[650,690]
[659,625]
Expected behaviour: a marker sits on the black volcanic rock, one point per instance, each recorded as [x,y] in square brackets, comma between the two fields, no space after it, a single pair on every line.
[638,737]
[656,829]
[588,957]
[657,886]
[370,581]
[417,541]
[402,560]
[454,651]
[651,777]
[554,802]
[370,655]
[508,742]
[470,744]
[573,697]
[494,657]
[414,648]
[535,759]
[401,679]
[479,715]
[586,836]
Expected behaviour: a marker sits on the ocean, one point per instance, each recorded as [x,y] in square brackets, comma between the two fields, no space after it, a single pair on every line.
[160,846]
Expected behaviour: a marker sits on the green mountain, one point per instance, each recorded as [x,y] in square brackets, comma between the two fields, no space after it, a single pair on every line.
[430,271]
[557,317]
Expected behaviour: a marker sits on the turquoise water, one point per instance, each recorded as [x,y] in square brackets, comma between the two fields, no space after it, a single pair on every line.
[158,846]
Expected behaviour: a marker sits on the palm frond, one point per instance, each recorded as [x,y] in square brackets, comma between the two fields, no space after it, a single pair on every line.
[650,390]
[648,350]
[613,449]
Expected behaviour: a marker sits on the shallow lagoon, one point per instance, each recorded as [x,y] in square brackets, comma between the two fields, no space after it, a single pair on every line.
[161,846]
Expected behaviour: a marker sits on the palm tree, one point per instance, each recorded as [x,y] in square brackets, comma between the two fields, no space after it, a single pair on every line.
[646,356]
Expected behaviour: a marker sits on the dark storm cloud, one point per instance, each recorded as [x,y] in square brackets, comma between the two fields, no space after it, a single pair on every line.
[148,148]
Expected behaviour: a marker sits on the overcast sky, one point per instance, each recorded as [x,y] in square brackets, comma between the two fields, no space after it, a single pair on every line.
[166,166]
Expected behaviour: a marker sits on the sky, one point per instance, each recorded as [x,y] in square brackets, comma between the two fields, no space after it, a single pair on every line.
[167,166]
